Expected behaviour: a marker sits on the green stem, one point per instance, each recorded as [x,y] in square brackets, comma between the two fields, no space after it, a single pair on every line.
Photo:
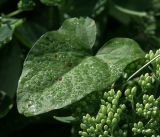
[132,102]
[17,23]
[143,67]
[131,12]
[22,40]
[14,13]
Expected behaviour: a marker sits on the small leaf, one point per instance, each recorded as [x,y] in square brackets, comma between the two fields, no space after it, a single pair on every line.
[118,53]
[5,34]
[26,4]
[7,27]
[67,119]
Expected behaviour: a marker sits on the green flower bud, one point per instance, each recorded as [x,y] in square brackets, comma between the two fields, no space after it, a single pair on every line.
[119,111]
[119,93]
[103,102]
[84,134]
[103,121]
[147,106]
[110,115]
[134,130]
[99,127]
[148,131]
[123,106]
[108,122]
[105,127]
[111,92]
[103,109]
[114,102]
[114,121]
[116,115]
[151,98]
[127,92]
[133,90]
[140,124]
[92,129]
[105,133]
[83,126]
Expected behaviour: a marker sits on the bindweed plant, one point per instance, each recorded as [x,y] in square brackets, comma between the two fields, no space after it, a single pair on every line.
[79,68]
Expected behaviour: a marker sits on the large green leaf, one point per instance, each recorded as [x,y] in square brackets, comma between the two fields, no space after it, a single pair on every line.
[59,70]
[53,55]
[118,53]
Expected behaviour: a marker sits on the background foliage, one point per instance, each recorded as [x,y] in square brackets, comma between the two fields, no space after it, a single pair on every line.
[23,22]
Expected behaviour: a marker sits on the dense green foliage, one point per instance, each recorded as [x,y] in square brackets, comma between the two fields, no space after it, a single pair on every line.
[131,111]
[79,68]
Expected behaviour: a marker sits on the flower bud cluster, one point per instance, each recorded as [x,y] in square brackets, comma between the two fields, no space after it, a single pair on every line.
[149,108]
[144,130]
[117,118]
[89,104]
[130,94]
[146,82]
[156,63]
[105,123]
[131,68]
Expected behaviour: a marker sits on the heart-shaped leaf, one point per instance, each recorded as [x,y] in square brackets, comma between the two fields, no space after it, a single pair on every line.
[53,55]
[59,70]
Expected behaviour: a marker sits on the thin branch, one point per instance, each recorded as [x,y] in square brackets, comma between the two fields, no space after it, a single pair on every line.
[135,73]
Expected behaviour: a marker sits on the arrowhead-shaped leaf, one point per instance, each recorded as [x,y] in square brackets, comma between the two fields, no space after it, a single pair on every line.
[59,70]
[53,55]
